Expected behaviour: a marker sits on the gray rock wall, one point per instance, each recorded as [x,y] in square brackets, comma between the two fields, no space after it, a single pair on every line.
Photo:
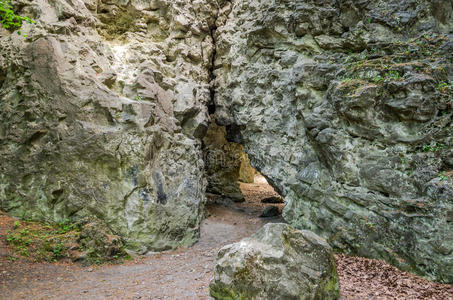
[102,108]
[346,107]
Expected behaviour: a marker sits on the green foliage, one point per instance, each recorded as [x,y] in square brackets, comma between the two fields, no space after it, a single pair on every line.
[58,250]
[393,75]
[445,87]
[9,19]
[443,177]
[433,148]
[377,79]
[64,227]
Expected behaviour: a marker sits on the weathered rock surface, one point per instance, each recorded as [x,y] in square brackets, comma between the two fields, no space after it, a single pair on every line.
[102,106]
[246,171]
[346,107]
[277,262]
[97,242]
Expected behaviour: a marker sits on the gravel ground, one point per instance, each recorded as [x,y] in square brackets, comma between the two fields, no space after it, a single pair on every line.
[185,273]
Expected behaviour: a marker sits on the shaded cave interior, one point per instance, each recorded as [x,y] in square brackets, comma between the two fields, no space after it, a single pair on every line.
[233,180]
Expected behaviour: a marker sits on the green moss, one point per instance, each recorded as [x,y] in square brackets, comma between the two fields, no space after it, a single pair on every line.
[225,293]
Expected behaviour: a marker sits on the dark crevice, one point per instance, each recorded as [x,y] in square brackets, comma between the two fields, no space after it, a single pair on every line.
[211,104]
[212,31]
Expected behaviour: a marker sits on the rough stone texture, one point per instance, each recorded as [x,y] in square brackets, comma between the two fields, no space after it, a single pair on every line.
[277,262]
[270,211]
[226,164]
[246,171]
[102,108]
[97,242]
[346,108]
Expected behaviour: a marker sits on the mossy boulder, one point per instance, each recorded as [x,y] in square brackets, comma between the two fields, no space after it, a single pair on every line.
[277,262]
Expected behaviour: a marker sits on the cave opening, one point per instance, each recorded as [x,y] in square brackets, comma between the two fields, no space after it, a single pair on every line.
[233,181]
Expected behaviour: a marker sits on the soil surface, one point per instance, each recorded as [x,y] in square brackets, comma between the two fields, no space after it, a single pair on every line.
[185,273]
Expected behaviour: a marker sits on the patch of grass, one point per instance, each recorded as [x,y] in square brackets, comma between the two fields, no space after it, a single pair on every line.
[42,242]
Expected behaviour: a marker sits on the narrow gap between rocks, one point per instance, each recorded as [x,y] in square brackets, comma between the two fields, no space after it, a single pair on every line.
[233,182]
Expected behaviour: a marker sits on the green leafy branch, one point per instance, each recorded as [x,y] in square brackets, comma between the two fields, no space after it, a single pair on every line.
[9,19]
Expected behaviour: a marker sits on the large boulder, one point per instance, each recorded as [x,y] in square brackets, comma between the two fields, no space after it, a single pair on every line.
[103,105]
[277,262]
[346,108]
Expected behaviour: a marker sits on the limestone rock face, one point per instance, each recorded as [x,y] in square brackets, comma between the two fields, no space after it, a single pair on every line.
[277,262]
[346,107]
[102,108]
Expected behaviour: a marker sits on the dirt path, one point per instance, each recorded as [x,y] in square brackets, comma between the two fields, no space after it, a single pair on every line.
[185,274]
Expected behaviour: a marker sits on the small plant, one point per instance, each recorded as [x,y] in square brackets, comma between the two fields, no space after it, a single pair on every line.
[58,250]
[12,258]
[443,177]
[16,224]
[24,232]
[370,225]
[377,79]
[9,19]
[445,86]
[431,148]
[393,75]
[428,148]
[13,239]
[64,227]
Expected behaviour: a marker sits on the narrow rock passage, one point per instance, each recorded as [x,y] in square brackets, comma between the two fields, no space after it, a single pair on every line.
[185,273]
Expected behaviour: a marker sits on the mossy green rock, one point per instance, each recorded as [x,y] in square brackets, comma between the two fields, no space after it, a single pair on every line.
[277,262]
